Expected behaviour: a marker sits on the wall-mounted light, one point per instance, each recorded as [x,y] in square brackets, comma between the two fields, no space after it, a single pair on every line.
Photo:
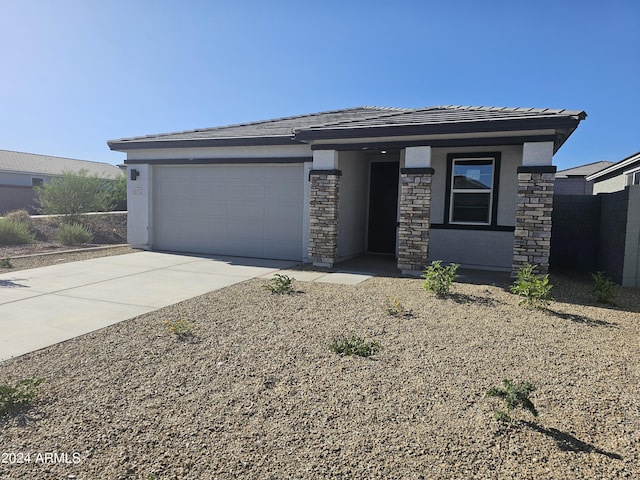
[134,174]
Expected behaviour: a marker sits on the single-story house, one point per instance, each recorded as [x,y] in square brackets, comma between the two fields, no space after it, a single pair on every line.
[471,185]
[20,172]
[573,181]
[616,177]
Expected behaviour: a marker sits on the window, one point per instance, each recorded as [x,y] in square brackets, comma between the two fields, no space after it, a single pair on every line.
[472,189]
[633,178]
[36,182]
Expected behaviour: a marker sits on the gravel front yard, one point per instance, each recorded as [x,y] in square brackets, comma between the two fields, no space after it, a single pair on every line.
[257,394]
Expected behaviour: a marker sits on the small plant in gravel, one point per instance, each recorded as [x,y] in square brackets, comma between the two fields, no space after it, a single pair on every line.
[394,307]
[180,328]
[280,284]
[534,289]
[514,396]
[73,234]
[354,345]
[13,232]
[6,263]
[438,279]
[15,395]
[604,288]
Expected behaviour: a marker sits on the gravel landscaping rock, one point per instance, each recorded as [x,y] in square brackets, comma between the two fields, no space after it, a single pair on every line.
[256,393]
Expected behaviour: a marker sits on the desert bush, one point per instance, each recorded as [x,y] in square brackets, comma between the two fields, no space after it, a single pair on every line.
[514,396]
[73,234]
[14,395]
[280,284]
[5,263]
[13,232]
[604,288]
[534,289]
[74,194]
[354,345]
[438,279]
[21,216]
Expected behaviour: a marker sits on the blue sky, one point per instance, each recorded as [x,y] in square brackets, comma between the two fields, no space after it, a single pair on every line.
[76,73]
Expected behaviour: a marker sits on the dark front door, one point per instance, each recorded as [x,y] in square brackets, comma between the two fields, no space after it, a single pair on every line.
[383,206]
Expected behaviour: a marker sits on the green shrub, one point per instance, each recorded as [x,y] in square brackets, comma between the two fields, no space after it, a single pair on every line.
[13,232]
[280,284]
[73,234]
[75,193]
[354,345]
[514,396]
[438,279]
[14,395]
[534,289]
[604,288]
[5,263]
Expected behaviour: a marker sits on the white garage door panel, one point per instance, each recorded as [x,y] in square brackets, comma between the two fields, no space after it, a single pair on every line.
[243,210]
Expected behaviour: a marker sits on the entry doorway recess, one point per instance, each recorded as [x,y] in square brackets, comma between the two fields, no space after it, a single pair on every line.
[383,207]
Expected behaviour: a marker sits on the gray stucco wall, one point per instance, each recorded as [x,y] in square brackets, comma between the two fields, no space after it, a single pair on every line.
[474,248]
[352,207]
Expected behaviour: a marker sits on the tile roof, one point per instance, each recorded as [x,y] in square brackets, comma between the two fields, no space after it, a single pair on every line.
[283,127]
[583,170]
[299,128]
[448,114]
[20,162]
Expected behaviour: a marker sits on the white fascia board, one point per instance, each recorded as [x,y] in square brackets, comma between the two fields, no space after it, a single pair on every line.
[275,151]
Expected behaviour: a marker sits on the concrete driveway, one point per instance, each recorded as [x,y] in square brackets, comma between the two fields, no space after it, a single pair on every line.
[44,306]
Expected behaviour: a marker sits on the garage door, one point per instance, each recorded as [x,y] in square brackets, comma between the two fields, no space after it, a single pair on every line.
[241,210]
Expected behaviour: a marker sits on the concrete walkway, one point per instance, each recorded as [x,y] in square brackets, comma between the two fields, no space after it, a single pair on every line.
[45,306]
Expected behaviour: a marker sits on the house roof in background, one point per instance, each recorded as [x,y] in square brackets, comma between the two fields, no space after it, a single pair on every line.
[367,121]
[617,168]
[584,170]
[32,163]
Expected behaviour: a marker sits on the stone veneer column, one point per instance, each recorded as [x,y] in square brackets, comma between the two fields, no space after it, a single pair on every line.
[323,217]
[532,237]
[415,215]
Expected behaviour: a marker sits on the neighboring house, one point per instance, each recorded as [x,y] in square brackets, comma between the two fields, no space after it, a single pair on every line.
[573,181]
[472,185]
[20,172]
[617,176]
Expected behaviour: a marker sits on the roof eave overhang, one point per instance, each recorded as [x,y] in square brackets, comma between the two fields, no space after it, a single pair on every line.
[616,168]
[309,134]
[126,145]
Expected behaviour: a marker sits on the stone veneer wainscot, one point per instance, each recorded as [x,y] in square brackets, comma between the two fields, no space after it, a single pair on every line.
[415,215]
[532,237]
[323,217]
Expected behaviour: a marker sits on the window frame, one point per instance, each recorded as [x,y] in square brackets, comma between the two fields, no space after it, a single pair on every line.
[452,158]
